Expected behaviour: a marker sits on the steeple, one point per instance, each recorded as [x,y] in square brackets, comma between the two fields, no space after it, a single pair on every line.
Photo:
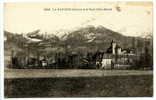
[113,47]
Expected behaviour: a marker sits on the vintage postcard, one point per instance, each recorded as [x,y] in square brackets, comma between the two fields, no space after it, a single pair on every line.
[78,49]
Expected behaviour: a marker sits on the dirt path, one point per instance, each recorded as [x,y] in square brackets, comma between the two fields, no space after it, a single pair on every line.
[47,73]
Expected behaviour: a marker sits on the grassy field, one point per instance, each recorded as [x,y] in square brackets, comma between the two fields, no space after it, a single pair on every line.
[85,85]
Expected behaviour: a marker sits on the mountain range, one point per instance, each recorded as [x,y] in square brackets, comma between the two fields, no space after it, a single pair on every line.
[89,37]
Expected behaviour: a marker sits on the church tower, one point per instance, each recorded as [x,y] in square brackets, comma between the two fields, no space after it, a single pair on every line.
[113,47]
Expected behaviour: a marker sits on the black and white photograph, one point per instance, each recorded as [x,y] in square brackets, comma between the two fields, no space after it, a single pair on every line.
[78,49]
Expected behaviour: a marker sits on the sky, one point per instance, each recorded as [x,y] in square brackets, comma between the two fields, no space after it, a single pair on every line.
[128,18]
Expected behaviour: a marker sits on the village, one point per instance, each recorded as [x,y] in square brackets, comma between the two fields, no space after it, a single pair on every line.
[114,57]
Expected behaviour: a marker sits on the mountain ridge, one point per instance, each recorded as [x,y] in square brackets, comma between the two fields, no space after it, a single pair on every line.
[89,36]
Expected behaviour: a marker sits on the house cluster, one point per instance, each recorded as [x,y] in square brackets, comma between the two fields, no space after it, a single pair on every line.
[116,57]
[116,49]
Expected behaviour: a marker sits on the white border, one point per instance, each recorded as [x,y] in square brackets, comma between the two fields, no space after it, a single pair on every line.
[1,53]
[111,98]
[154,46]
[68,0]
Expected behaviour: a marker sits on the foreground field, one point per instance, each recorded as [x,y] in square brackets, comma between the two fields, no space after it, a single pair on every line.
[108,86]
[78,83]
